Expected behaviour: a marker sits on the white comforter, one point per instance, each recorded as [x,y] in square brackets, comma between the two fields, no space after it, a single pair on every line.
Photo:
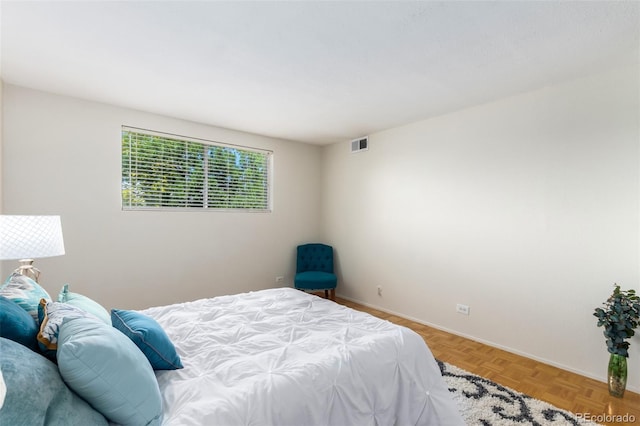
[282,357]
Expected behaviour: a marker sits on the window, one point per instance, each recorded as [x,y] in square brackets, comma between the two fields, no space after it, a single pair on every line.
[163,171]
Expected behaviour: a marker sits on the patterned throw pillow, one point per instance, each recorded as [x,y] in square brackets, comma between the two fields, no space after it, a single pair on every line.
[52,315]
[25,292]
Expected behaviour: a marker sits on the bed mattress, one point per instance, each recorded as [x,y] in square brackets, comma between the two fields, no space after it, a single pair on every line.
[283,357]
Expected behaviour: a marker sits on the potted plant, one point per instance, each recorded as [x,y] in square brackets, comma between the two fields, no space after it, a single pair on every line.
[619,317]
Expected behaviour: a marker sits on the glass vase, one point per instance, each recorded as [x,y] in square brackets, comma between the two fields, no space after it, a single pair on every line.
[617,375]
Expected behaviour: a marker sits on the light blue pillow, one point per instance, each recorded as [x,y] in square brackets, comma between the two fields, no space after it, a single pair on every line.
[25,292]
[85,303]
[149,336]
[51,316]
[106,369]
[16,324]
[36,394]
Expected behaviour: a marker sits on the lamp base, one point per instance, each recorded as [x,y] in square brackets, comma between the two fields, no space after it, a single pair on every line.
[27,269]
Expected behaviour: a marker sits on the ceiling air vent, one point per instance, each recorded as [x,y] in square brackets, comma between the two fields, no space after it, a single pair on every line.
[360,144]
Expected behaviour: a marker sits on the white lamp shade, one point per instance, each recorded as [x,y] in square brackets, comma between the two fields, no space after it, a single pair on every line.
[30,237]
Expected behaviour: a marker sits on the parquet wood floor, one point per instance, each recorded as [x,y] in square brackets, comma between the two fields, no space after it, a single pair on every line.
[570,391]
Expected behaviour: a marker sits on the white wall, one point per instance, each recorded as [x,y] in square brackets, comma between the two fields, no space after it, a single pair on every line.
[62,156]
[525,209]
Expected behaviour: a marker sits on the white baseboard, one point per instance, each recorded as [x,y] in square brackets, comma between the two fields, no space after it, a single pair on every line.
[487,342]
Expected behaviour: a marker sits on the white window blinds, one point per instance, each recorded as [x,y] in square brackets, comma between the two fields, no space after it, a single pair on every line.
[163,171]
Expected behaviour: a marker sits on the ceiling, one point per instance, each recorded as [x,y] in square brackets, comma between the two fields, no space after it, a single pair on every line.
[310,71]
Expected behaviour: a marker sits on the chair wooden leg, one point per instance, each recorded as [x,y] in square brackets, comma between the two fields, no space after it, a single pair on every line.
[333,294]
[326,294]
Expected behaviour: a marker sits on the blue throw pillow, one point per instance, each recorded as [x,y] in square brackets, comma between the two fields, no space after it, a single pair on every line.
[84,303]
[16,324]
[149,336]
[25,292]
[36,394]
[106,369]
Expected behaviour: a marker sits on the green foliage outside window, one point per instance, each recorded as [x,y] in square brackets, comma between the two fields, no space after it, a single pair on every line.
[160,172]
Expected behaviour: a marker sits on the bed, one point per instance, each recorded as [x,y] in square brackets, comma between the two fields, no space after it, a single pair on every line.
[283,357]
[270,357]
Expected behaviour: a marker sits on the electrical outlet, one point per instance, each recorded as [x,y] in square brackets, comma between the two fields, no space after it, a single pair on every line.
[279,279]
[462,309]
[380,290]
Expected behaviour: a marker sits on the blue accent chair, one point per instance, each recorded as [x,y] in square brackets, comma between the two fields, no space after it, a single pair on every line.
[314,269]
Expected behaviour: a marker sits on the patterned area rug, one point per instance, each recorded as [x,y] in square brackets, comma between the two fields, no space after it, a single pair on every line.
[486,403]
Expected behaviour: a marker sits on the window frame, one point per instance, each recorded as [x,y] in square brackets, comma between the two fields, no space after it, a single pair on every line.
[204,143]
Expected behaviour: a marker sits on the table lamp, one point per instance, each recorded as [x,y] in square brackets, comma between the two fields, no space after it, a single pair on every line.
[25,238]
